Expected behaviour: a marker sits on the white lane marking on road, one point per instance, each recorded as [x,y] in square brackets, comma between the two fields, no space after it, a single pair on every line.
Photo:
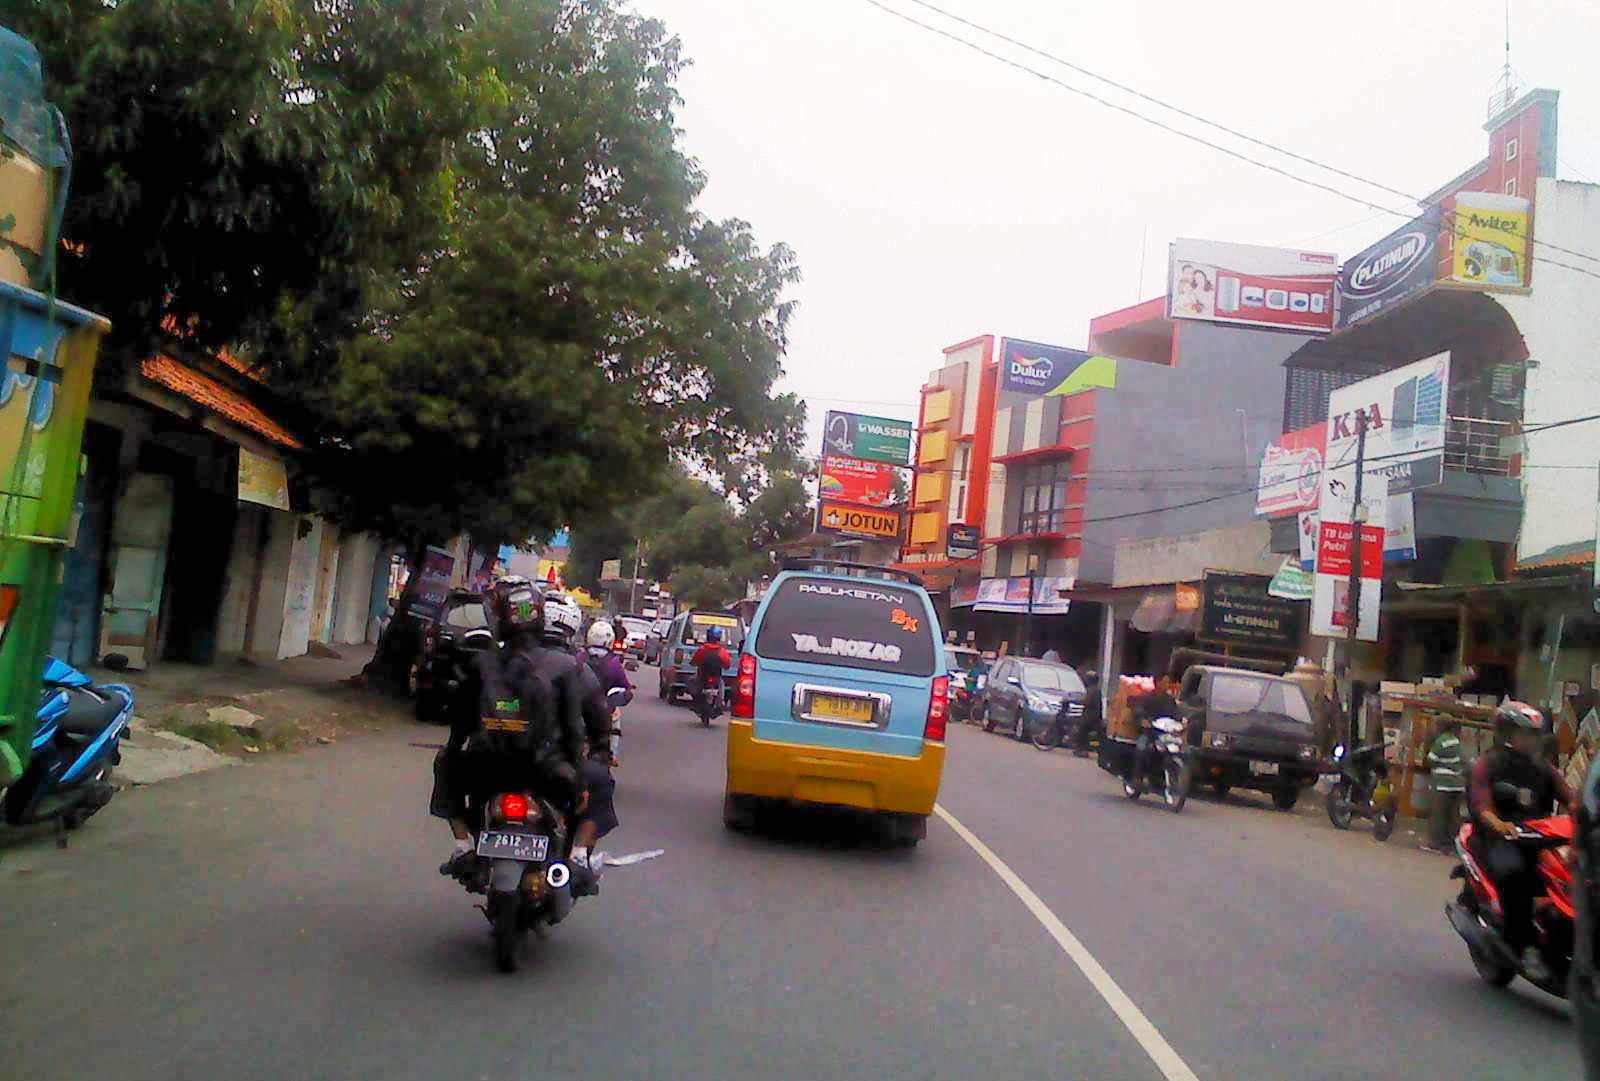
[1138,1025]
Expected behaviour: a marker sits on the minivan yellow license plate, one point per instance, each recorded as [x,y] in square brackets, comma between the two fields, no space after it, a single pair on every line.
[834,707]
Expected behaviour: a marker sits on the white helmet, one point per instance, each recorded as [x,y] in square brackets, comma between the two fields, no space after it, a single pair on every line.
[562,618]
[601,634]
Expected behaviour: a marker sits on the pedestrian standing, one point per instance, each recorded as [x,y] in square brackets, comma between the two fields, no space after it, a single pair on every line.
[1446,783]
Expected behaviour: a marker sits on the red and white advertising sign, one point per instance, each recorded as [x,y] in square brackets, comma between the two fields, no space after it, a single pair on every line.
[1252,285]
[1291,472]
[852,480]
[1330,591]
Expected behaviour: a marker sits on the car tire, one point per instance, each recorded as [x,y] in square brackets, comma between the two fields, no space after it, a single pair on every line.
[1285,798]
[1020,732]
[737,814]
[988,720]
[1220,789]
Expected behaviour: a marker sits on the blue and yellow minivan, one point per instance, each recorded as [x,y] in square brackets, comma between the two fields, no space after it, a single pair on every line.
[841,698]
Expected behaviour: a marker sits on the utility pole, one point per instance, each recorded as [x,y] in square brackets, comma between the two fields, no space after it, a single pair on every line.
[1027,620]
[1352,603]
[633,579]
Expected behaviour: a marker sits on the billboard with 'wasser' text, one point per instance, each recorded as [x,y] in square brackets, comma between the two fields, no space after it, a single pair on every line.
[872,439]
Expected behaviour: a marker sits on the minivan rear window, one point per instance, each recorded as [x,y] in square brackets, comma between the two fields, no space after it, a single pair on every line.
[881,627]
[732,627]
[1244,694]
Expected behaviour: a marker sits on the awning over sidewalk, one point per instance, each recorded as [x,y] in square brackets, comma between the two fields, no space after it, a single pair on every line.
[1160,612]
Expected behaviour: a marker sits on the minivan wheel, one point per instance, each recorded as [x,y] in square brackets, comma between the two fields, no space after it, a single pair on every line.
[1285,798]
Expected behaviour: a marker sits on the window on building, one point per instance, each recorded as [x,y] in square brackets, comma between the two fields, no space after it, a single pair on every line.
[1511,150]
[1511,186]
[958,482]
[1044,498]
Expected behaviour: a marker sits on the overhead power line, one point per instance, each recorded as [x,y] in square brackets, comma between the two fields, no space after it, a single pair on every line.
[1192,136]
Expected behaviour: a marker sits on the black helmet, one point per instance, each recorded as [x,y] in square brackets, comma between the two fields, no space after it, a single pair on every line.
[516,606]
[1513,717]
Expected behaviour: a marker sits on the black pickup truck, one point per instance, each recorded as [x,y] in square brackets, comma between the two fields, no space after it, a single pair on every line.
[1251,729]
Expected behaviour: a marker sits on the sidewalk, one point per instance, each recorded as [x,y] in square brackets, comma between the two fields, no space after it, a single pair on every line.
[191,718]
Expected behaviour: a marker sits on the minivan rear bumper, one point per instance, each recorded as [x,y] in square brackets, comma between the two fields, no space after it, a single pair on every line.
[831,776]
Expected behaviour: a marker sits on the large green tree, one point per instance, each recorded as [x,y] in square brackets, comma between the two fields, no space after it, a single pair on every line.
[253,168]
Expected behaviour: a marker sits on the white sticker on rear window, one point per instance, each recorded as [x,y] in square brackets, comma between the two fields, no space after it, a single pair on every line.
[847,647]
[849,591]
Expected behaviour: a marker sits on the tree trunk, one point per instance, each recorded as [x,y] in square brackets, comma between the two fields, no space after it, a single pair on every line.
[401,642]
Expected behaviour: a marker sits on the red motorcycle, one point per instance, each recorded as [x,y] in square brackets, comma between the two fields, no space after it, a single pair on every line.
[1479,919]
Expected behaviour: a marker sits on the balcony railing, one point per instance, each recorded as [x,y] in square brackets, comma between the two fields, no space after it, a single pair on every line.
[1477,445]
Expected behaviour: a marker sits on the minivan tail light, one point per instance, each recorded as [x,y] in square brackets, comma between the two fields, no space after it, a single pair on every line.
[938,709]
[744,692]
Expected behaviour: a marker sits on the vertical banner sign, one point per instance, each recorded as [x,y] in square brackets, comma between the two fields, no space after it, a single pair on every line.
[1330,589]
[263,480]
[871,439]
[1291,472]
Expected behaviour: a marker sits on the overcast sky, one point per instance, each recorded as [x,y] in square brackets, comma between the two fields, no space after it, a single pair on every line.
[933,194]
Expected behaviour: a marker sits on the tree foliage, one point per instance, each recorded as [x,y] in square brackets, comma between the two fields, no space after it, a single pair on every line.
[460,236]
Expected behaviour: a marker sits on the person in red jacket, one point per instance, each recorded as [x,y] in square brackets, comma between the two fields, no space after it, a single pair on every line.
[710,661]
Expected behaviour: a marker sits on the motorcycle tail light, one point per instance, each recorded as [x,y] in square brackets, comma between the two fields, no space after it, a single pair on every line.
[511,807]
[938,710]
[744,691]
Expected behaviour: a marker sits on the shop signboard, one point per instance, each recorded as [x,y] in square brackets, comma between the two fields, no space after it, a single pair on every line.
[1490,233]
[1051,370]
[1239,609]
[1249,285]
[263,480]
[870,523]
[1399,532]
[1405,418]
[1011,594]
[961,541]
[851,480]
[611,570]
[1383,274]
[872,439]
[433,584]
[1291,472]
[1291,583]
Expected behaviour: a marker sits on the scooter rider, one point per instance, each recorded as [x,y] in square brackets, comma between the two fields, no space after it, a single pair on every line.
[1511,783]
[611,674]
[602,672]
[528,732]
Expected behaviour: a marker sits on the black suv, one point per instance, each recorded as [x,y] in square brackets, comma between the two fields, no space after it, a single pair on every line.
[1251,730]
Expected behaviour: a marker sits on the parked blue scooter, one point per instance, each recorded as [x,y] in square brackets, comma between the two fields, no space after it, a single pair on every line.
[75,747]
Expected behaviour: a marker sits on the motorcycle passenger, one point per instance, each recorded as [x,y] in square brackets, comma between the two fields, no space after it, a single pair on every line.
[529,732]
[1090,719]
[709,662]
[1528,787]
[602,672]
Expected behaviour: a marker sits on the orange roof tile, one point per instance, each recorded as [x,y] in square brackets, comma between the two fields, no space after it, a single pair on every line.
[214,396]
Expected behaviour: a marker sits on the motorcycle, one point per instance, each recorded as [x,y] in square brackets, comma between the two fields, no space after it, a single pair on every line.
[1478,917]
[1361,789]
[709,702]
[76,745]
[521,870]
[1160,761]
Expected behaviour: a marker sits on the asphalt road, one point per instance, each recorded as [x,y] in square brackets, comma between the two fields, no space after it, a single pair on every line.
[285,920]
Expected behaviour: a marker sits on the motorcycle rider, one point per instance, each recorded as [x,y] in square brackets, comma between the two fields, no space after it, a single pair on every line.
[1529,787]
[528,733]
[709,662]
[1148,708]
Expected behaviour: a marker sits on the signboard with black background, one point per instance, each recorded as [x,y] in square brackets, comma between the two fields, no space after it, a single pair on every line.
[1381,276]
[1236,609]
[961,541]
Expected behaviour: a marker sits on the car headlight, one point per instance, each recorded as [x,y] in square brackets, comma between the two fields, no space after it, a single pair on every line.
[1039,705]
[1219,739]
[1308,751]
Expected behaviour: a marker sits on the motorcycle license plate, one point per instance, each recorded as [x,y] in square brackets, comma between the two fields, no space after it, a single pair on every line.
[835,707]
[510,845]
[1331,777]
[1267,769]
